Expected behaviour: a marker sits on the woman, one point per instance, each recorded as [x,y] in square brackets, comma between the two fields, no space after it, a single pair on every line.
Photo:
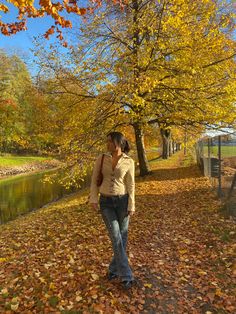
[116,201]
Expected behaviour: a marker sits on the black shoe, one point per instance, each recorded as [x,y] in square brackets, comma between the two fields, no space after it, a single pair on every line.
[127,284]
[111,276]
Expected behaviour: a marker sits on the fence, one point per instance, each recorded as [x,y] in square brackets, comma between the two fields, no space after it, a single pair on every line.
[216,157]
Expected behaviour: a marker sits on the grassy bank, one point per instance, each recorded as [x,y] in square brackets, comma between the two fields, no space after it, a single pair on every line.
[12,161]
[226,151]
[17,165]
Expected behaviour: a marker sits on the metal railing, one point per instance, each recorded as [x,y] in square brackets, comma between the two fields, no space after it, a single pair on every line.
[216,157]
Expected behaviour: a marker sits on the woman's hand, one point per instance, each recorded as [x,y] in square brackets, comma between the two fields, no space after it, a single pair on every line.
[94,206]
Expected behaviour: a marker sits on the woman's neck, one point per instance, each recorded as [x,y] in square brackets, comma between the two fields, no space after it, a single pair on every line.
[117,153]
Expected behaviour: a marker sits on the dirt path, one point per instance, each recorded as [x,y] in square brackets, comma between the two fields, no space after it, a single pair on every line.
[180,248]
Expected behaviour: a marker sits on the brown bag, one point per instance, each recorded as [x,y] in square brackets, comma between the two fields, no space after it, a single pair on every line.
[100,175]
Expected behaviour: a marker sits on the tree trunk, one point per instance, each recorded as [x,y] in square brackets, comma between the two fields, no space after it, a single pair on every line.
[173,147]
[142,158]
[170,148]
[178,147]
[165,134]
[185,142]
[139,137]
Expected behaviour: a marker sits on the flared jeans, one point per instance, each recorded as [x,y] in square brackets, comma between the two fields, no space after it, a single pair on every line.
[115,216]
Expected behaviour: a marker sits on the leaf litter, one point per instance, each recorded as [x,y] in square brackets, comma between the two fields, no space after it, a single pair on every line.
[55,260]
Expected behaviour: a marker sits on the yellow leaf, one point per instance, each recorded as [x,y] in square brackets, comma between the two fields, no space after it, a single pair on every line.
[148,285]
[95,276]
[52,286]
[72,261]
[187,241]
[78,298]
[14,307]
[42,279]
[54,10]
[4,292]
[95,296]
[15,300]
[218,292]
[4,8]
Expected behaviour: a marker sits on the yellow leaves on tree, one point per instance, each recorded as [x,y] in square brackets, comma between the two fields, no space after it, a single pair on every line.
[4,8]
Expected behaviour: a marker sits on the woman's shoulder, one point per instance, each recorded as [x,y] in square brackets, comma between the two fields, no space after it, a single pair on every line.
[128,158]
[104,155]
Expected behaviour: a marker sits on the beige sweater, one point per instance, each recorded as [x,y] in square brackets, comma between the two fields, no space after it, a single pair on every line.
[117,182]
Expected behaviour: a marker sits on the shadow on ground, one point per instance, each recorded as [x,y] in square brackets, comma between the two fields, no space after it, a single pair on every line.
[173,173]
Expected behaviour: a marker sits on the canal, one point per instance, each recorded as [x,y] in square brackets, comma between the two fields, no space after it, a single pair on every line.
[22,194]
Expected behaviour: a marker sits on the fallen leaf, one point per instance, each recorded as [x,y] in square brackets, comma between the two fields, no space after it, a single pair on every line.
[95,276]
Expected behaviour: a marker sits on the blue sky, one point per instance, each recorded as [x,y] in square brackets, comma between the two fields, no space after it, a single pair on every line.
[36,27]
[23,40]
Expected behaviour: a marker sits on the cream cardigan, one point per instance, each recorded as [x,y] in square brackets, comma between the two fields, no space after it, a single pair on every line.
[118,182]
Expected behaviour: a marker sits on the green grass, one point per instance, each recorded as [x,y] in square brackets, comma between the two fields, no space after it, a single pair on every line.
[11,161]
[188,160]
[226,151]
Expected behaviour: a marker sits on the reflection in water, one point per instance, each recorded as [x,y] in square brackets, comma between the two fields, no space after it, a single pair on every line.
[19,195]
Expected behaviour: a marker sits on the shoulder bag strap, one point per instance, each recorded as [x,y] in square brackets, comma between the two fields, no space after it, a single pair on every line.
[101,163]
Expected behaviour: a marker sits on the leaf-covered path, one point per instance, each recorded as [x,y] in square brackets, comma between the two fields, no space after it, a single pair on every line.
[181,249]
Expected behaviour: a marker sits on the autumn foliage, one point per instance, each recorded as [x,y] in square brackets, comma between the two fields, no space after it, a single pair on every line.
[27,9]
[160,64]
[180,248]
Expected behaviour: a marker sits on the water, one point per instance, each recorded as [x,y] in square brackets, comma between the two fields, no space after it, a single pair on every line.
[22,194]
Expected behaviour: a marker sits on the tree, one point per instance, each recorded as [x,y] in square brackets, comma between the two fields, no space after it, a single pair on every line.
[148,67]
[170,62]
[195,69]
[75,109]
[10,91]
[22,107]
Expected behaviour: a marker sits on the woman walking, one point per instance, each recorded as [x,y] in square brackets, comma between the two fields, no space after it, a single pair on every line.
[116,201]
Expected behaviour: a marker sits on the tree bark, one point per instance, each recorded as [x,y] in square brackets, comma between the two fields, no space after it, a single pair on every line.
[170,147]
[142,158]
[178,147]
[165,134]
[185,141]
[173,147]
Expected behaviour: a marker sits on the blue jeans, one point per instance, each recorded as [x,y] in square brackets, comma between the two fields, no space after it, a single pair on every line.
[115,216]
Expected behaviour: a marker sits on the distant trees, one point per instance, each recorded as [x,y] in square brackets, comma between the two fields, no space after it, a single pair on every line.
[21,107]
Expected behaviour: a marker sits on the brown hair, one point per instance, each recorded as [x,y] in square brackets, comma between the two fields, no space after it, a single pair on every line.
[119,139]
